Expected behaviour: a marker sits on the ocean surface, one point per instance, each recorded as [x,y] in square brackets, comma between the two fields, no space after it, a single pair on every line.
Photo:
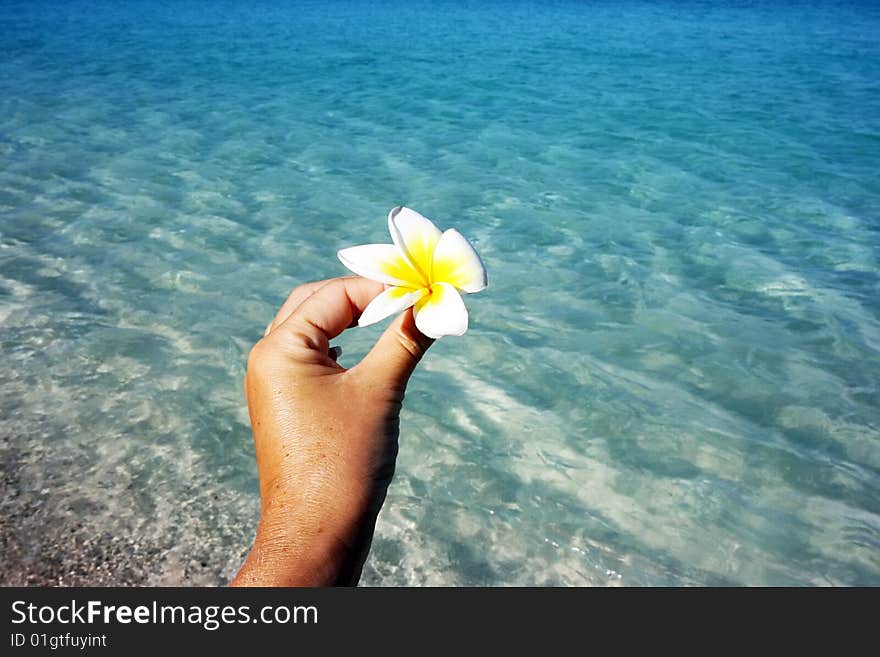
[673,378]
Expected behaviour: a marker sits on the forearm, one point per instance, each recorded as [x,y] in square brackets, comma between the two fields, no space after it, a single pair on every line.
[286,561]
[309,545]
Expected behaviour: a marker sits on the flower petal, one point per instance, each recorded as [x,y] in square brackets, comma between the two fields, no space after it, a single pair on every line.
[416,236]
[442,312]
[457,263]
[381,262]
[390,302]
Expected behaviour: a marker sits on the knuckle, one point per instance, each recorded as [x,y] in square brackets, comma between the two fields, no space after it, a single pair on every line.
[410,345]
[258,356]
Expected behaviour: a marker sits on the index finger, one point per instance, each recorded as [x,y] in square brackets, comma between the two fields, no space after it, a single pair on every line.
[328,311]
[296,297]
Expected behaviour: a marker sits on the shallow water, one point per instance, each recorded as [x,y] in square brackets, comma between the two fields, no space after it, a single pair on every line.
[672,379]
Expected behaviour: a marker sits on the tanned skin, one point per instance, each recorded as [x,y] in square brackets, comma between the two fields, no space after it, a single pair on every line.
[325,436]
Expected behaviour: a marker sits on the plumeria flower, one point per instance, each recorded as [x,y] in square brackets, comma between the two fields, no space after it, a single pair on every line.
[425,268]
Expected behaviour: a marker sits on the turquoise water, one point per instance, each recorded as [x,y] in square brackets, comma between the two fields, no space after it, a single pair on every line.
[674,377]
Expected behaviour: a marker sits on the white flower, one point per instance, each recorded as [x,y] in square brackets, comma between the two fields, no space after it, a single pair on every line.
[424,268]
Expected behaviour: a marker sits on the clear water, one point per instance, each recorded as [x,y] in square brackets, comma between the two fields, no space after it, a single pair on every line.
[674,377]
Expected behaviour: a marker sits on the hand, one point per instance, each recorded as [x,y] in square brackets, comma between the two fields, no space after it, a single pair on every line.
[325,437]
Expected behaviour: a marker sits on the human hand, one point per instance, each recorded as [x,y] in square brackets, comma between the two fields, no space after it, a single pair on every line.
[325,437]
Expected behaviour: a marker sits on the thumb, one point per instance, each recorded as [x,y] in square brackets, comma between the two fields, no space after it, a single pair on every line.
[394,357]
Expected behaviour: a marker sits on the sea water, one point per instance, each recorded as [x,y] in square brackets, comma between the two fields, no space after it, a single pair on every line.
[672,379]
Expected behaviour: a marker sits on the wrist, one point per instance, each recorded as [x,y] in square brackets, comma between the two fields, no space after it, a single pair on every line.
[300,543]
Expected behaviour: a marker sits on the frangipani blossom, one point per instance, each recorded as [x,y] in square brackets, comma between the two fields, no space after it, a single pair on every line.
[425,268]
